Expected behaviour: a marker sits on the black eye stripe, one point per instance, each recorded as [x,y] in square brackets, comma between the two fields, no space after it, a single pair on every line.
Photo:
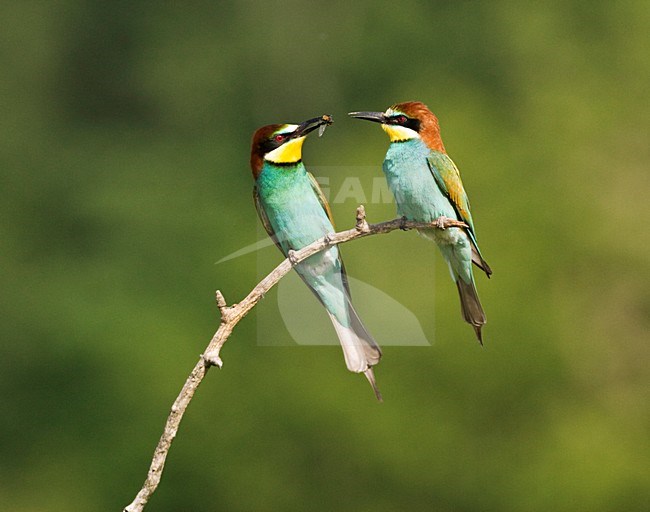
[269,145]
[413,124]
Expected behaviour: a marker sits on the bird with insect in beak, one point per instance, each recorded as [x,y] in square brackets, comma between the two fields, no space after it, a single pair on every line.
[295,213]
[427,186]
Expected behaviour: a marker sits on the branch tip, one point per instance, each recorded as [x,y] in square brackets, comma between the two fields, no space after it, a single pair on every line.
[221,301]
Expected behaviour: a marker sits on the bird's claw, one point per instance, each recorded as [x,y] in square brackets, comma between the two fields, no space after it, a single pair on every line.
[291,254]
[402,224]
[441,222]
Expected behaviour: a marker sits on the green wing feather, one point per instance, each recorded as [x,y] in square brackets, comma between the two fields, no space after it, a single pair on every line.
[265,220]
[321,197]
[447,177]
[326,207]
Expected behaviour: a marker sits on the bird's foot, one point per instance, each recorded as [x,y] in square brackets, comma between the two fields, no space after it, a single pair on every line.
[441,222]
[291,254]
[402,224]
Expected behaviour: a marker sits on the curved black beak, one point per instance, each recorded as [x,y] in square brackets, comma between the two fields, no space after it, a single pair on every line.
[376,117]
[310,125]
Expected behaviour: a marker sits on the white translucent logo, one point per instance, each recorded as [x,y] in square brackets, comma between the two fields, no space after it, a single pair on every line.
[292,307]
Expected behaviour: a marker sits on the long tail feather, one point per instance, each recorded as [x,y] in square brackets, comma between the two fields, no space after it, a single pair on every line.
[471,306]
[360,350]
[370,375]
[478,260]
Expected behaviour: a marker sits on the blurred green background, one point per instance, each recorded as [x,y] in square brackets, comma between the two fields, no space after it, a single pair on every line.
[124,136]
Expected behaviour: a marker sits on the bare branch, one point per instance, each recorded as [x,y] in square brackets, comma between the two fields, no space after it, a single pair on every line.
[230,317]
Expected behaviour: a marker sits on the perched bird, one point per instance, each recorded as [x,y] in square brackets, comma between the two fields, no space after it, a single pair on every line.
[295,213]
[427,185]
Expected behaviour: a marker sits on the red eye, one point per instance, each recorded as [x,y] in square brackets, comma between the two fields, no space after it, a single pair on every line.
[279,138]
[401,119]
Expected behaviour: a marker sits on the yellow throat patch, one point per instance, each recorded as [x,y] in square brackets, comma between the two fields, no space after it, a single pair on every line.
[399,133]
[290,152]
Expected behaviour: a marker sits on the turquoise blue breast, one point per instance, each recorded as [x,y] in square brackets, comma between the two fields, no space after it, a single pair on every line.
[292,207]
[298,219]
[411,182]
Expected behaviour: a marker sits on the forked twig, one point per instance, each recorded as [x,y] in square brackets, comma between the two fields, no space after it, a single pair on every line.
[230,317]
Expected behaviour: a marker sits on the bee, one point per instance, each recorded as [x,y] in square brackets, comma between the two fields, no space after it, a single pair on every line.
[321,128]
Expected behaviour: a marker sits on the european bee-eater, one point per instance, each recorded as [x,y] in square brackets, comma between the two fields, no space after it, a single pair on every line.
[427,185]
[295,213]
